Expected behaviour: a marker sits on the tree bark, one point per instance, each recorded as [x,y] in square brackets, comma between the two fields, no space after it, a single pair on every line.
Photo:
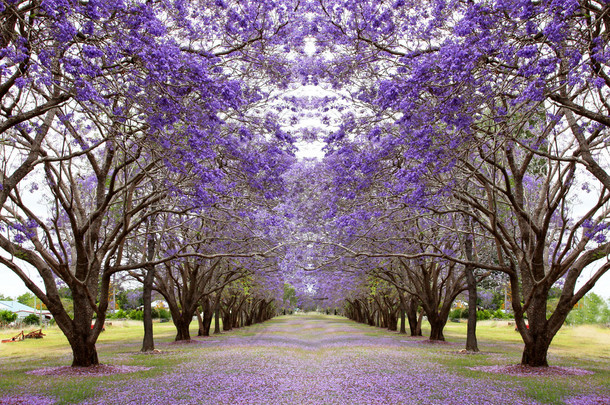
[207,316]
[84,353]
[420,318]
[414,321]
[227,320]
[436,330]
[79,332]
[182,329]
[392,322]
[200,330]
[217,321]
[471,281]
[535,353]
[471,328]
[537,337]
[148,342]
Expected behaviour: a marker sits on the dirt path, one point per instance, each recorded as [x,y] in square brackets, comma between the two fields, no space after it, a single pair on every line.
[310,360]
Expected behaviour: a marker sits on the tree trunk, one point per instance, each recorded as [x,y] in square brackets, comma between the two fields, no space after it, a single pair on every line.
[471,328]
[436,331]
[200,330]
[84,354]
[437,324]
[402,309]
[182,328]
[208,315]
[392,323]
[537,337]
[419,322]
[226,321]
[217,321]
[535,352]
[206,321]
[148,343]
[414,322]
[79,332]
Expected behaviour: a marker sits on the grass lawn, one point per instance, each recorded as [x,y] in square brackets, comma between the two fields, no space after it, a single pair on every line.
[307,359]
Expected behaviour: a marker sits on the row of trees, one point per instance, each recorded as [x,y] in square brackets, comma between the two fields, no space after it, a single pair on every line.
[481,151]
[132,141]
[466,139]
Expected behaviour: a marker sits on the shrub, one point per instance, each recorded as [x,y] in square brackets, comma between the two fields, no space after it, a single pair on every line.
[120,314]
[31,319]
[164,313]
[459,313]
[499,314]
[135,315]
[483,315]
[7,317]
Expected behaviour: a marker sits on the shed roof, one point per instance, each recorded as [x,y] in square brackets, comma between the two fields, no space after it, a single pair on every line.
[16,306]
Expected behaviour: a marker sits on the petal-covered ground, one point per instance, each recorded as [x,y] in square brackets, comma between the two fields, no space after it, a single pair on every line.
[312,360]
[305,360]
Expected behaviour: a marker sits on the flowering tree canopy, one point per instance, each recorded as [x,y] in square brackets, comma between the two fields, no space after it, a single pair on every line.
[462,139]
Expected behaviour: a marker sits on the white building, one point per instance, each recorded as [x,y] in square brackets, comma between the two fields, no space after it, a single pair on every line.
[23,310]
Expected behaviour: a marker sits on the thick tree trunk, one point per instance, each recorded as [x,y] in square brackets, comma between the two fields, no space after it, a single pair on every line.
[420,319]
[471,328]
[261,312]
[402,308]
[437,324]
[537,337]
[226,321]
[182,328]
[207,321]
[84,354]
[392,321]
[535,353]
[79,332]
[200,329]
[148,343]
[414,322]
[217,321]
[436,331]
[249,318]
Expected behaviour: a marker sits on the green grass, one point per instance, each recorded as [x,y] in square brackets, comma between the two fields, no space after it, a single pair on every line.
[585,346]
[119,344]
